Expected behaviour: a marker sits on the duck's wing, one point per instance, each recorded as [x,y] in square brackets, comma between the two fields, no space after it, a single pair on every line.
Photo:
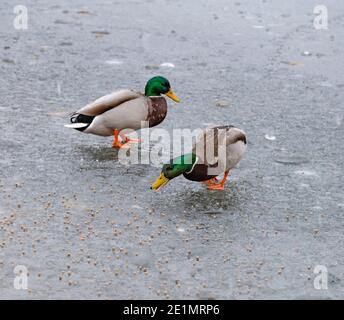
[213,147]
[108,102]
[206,146]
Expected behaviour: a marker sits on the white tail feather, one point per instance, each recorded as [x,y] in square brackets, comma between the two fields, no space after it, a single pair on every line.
[76,125]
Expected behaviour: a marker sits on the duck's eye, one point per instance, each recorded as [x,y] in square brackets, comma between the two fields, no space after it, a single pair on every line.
[169,169]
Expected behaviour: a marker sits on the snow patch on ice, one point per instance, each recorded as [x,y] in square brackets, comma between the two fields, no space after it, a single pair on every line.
[114,62]
[270,137]
[167,65]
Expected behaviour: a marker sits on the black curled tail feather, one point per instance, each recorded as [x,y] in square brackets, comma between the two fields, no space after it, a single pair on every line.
[81,118]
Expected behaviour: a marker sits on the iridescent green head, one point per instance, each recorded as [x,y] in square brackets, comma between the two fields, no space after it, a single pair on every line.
[160,85]
[175,168]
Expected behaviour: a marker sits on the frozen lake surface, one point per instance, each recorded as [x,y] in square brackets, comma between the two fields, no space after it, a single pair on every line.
[86,226]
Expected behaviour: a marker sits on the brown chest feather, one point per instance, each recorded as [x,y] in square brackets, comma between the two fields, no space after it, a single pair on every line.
[157,110]
[199,173]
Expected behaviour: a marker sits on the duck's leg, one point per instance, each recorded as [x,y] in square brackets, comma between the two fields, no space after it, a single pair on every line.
[221,185]
[116,143]
[127,139]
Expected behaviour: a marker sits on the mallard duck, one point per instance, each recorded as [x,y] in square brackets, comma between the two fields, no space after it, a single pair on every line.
[216,150]
[124,109]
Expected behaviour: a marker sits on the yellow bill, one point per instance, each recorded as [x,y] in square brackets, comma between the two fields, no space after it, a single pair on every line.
[160,182]
[172,96]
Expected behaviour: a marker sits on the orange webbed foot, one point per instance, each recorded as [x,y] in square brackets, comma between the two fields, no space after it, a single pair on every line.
[212,185]
[210,182]
[217,187]
[116,144]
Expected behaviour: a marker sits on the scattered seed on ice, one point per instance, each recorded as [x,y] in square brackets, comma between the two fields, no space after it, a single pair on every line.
[152,67]
[269,137]
[83,12]
[222,103]
[295,63]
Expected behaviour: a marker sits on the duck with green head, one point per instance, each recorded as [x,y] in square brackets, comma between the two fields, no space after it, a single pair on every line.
[125,110]
[202,167]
